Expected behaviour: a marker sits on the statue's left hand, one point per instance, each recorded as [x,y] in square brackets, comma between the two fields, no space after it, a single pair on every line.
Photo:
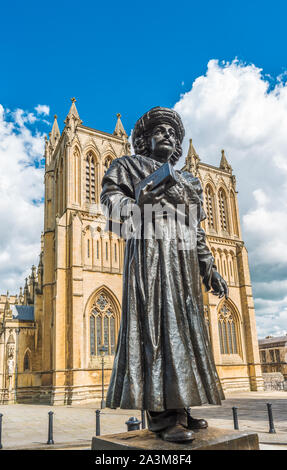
[219,285]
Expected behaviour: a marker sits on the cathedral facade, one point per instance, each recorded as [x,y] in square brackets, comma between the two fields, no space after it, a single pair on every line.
[52,333]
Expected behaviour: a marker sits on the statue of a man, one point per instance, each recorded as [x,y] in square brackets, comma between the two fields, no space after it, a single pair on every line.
[163,363]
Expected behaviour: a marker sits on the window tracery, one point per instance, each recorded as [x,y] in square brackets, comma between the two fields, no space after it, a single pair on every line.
[102,325]
[107,162]
[209,204]
[90,178]
[228,331]
[223,210]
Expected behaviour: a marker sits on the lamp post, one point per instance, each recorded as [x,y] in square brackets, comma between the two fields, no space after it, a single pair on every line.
[103,351]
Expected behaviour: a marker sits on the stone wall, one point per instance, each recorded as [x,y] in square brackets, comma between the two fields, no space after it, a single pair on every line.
[274,381]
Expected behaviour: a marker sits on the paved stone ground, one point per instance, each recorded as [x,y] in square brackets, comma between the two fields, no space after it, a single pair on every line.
[26,426]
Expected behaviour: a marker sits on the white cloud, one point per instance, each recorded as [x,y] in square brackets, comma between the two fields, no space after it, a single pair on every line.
[21,193]
[233,107]
[42,109]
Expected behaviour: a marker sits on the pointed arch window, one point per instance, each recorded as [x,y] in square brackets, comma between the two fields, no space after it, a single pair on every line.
[209,204]
[107,162]
[103,325]
[228,331]
[27,362]
[90,178]
[234,214]
[207,322]
[76,184]
[223,210]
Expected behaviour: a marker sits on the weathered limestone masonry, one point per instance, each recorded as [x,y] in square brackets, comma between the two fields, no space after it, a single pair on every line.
[231,323]
[50,335]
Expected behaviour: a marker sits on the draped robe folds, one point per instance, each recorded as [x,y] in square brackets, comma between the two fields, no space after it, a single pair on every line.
[163,358]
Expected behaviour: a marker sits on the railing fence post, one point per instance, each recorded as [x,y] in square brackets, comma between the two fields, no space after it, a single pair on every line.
[235,417]
[1,447]
[143,419]
[50,428]
[270,417]
[98,424]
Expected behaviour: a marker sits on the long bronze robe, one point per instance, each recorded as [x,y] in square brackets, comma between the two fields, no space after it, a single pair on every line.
[163,358]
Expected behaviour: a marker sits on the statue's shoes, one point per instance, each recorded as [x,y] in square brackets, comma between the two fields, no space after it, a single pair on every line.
[193,423]
[177,433]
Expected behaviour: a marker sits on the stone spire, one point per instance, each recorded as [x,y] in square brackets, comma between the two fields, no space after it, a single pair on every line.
[7,310]
[120,132]
[55,133]
[224,165]
[7,303]
[51,143]
[192,159]
[72,121]
[40,274]
[26,292]
[47,153]
[119,129]
[21,297]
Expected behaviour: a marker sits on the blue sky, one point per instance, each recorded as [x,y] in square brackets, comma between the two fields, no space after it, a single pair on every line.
[128,56]
[222,65]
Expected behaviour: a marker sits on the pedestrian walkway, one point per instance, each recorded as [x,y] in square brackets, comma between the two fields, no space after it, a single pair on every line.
[252,414]
[26,426]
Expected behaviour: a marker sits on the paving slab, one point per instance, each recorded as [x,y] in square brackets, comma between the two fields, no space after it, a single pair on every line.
[27,424]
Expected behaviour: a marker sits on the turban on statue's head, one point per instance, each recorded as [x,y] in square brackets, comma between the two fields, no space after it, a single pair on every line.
[156,116]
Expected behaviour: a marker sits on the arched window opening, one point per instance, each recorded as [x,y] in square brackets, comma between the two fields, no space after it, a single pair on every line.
[116,253]
[92,335]
[234,214]
[27,362]
[88,248]
[76,159]
[207,322]
[90,178]
[102,325]
[107,163]
[97,249]
[228,336]
[223,210]
[209,204]
[107,251]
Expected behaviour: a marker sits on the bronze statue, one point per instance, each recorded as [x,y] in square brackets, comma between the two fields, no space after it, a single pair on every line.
[163,363]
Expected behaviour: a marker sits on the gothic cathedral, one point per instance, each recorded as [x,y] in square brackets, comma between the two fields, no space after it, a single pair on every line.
[52,333]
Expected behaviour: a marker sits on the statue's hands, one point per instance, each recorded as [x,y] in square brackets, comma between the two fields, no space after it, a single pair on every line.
[150,196]
[219,285]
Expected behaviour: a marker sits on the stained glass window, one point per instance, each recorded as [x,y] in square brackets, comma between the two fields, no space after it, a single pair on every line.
[92,335]
[104,313]
[113,334]
[228,336]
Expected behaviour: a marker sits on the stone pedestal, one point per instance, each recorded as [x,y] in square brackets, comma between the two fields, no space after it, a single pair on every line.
[205,439]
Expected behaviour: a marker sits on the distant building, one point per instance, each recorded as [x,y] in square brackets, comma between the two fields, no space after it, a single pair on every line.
[273,354]
[51,334]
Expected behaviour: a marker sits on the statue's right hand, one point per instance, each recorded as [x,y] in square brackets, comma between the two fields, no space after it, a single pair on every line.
[150,196]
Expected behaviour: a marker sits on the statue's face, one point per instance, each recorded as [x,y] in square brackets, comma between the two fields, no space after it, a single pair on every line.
[163,142]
